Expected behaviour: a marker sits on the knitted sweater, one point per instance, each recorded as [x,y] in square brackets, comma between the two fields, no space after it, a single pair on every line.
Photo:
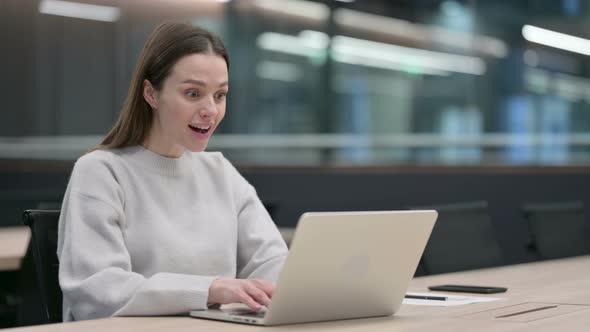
[143,234]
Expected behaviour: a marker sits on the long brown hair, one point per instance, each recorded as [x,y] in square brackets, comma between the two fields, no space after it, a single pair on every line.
[164,47]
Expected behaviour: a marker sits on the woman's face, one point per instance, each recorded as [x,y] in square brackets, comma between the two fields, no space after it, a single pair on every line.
[189,106]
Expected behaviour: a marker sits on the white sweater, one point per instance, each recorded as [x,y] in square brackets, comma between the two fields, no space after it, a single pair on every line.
[142,234]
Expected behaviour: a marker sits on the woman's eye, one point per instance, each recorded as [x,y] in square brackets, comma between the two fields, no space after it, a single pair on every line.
[192,94]
[221,95]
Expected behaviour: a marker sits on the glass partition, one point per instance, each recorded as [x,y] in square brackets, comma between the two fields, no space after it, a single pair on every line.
[440,82]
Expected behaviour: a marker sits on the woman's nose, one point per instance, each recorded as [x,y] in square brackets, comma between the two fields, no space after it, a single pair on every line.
[208,109]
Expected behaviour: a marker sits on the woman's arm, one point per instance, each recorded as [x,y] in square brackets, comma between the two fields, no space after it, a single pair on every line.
[261,248]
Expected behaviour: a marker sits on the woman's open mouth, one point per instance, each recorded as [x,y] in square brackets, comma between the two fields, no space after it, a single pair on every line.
[202,129]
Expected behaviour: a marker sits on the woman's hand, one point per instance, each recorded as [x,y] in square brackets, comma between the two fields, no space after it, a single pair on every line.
[254,293]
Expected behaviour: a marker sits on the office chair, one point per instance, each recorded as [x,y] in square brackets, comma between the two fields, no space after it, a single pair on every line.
[463,238]
[43,224]
[557,229]
[420,271]
[8,299]
[272,206]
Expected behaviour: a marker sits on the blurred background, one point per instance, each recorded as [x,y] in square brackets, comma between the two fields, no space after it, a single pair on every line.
[365,82]
[334,105]
[478,108]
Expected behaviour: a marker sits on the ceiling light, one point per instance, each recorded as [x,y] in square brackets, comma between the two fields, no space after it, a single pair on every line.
[306,9]
[362,52]
[80,10]
[556,39]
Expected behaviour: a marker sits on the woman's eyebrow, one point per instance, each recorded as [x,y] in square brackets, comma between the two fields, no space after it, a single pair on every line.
[202,83]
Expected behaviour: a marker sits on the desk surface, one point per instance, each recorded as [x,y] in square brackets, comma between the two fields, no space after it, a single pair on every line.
[13,246]
[564,281]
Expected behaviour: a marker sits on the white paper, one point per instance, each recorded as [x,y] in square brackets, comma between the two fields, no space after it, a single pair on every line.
[450,301]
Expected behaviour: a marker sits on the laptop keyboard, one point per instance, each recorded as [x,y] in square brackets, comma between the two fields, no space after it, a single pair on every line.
[251,314]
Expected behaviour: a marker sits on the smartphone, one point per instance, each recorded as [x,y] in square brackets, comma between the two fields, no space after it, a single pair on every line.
[468,289]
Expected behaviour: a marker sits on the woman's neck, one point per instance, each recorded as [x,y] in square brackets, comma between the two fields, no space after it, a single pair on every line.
[157,143]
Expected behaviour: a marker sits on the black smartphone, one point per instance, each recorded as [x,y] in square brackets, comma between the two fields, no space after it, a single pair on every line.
[468,289]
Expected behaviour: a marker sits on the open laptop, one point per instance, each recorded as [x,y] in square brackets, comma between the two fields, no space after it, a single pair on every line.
[342,265]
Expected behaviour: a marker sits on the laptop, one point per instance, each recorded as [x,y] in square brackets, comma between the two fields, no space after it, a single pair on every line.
[342,265]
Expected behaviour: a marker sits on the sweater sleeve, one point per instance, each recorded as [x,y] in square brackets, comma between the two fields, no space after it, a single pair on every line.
[261,249]
[95,271]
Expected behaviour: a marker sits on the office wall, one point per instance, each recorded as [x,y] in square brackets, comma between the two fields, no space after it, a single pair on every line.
[506,189]
[296,190]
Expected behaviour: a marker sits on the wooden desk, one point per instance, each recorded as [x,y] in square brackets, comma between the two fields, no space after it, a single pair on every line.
[13,247]
[564,281]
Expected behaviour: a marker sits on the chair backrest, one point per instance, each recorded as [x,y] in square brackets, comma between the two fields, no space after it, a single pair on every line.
[558,229]
[463,238]
[43,224]
[271,206]
[420,270]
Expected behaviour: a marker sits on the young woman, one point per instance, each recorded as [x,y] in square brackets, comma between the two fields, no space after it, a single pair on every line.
[151,224]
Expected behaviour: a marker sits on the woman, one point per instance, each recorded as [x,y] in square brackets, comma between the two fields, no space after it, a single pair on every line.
[148,226]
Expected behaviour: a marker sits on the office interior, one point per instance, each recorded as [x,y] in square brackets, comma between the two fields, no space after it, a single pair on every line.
[479,109]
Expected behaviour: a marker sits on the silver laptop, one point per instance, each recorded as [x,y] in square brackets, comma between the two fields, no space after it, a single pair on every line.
[342,265]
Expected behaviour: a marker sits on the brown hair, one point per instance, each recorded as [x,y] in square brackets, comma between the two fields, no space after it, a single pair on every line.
[165,46]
